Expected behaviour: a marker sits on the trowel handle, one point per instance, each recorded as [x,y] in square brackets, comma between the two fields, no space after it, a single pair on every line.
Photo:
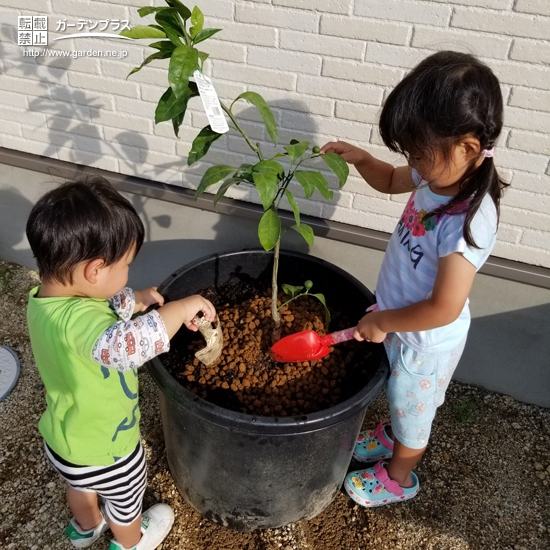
[338,336]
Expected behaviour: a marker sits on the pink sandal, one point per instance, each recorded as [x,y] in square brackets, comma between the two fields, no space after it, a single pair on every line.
[373,487]
[373,445]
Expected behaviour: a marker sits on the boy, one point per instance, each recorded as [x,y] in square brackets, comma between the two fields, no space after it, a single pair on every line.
[87,348]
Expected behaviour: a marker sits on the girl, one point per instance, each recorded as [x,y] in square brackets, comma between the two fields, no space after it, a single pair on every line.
[87,348]
[444,117]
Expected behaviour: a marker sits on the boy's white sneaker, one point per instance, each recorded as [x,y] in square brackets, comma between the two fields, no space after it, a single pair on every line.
[156,523]
[83,539]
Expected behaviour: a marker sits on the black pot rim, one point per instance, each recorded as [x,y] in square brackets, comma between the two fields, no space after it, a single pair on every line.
[268,425]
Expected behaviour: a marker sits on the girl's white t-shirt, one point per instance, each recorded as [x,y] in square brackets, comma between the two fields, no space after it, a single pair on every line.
[410,264]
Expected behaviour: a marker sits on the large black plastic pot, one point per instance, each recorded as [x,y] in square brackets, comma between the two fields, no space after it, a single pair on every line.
[248,472]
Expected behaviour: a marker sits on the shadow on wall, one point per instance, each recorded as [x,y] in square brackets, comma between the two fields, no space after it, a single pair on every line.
[509,353]
[14,211]
[70,134]
[70,112]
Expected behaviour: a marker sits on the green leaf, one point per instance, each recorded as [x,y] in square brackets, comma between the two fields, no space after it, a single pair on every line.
[306,183]
[224,187]
[338,166]
[296,150]
[201,144]
[183,64]
[171,106]
[246,173]
[173,35]
[163,45]
[158,55]
[204,35]
[177,122]
[321,298]
[265,112]
[269,229]
[266,184]
[170,23]
[197,20]
[182,10]
[291,290]
[308,284]
[305,231]
[213,175]
[269,167]
[149,9]
[143,31]
[294,206]
[203,56]
[313,180]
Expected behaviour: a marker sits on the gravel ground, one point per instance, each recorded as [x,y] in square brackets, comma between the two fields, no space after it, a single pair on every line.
[484,479]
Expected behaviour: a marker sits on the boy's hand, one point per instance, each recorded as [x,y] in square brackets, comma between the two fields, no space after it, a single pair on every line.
[179,312]
[350,153]
[192,305]
[147,298]
[367,329]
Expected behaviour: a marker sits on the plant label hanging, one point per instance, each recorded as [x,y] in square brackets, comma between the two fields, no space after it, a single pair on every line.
[211,103]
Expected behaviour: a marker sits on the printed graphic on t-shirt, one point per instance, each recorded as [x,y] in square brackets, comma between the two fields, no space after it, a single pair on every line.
[413,222]
[416,222]
[126,345]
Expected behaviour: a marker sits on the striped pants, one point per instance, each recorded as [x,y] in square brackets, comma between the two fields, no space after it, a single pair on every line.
[121,485]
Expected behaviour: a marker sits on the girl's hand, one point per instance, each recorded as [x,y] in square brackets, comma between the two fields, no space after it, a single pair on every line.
[147,298]
[368,329]
[350,153]
[192,305]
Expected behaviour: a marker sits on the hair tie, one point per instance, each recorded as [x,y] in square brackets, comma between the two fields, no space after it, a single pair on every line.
[488,153]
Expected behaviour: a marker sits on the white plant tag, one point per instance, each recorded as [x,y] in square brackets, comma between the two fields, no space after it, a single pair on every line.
[211,103]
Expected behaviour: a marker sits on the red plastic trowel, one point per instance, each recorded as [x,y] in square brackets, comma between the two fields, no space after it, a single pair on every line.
[308,345]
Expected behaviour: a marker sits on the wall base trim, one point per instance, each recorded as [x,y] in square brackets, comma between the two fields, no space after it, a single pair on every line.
[369,238]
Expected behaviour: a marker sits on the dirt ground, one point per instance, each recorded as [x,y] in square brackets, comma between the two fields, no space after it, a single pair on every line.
[484,479]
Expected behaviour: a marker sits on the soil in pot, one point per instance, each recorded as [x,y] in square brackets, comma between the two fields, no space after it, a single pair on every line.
[246,379]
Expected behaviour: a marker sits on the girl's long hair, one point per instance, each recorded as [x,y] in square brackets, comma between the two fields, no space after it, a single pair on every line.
[447,96]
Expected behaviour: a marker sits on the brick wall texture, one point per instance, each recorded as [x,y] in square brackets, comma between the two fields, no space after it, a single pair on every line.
[324,66]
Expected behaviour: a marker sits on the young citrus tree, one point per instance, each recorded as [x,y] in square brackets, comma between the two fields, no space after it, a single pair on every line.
[177,33]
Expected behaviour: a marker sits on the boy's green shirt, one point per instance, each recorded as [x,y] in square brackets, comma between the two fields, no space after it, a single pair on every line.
[92,415]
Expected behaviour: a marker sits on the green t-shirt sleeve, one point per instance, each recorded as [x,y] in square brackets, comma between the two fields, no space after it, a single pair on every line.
[88,322]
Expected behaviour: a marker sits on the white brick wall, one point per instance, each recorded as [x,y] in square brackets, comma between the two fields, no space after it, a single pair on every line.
[324,66]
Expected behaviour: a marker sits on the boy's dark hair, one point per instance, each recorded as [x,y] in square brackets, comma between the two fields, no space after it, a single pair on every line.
[444,98]
[79,221]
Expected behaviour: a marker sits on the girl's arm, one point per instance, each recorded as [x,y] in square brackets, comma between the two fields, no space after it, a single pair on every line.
[453,282]
[380,175]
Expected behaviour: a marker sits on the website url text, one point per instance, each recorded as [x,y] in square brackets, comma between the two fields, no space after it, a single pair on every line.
[74,54]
